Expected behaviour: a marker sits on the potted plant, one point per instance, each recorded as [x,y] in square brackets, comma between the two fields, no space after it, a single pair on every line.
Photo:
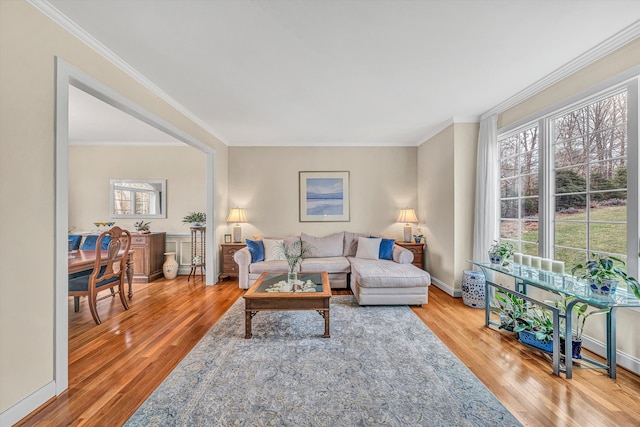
[581,317]
[501,253]
[535,328]
[510,310]
[418,237]
[603,276]
[141,226]
[294,254]
[195,218]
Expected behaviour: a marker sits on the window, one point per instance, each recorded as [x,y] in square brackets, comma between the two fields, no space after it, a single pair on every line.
[564,188]
[590,171]
[138,198]
[519,190]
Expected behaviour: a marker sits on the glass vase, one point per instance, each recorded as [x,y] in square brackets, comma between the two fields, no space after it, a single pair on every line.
[292,277]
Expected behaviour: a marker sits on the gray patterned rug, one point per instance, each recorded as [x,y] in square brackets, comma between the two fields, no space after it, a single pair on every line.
[381,366]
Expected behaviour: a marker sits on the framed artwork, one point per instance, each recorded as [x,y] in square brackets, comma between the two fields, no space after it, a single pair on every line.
[227,238]
[324,196]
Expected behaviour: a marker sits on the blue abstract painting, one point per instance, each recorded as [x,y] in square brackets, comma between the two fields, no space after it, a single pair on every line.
[324,196]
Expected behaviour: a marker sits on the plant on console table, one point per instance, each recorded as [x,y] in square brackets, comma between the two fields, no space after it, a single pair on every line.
[294,254]
[510,309]
[501,253]
[535,328]
[603,276]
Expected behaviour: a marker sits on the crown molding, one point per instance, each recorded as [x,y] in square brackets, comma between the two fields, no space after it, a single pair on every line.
[61,19]
[453,120]
[127,144]
[614,42]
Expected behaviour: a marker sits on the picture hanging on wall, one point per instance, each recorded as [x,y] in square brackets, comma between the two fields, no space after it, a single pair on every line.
[324,196]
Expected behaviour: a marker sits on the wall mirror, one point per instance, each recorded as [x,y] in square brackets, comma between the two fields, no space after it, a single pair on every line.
[138,198]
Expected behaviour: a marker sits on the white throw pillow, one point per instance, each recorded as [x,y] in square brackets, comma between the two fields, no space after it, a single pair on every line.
[273,249]
[368,248]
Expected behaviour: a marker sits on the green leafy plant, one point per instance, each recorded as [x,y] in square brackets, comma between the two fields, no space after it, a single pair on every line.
[602,268]
[581,313]
[141,226]
[294,253]
[538,321]
[192,217]
[510,309]
[502,249]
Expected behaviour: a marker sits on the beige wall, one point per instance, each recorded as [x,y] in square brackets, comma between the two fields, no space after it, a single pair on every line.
[29,43]
[91,168]
[264,181]
[609,66]
[446,189]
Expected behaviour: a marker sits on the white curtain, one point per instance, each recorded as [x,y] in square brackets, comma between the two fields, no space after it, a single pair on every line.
[487,209]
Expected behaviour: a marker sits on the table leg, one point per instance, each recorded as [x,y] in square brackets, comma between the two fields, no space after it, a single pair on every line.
[129,274]
[611,342]
[247,323]
[326,325]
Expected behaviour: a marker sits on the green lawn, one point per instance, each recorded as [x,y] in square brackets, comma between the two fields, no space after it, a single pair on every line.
[610,238]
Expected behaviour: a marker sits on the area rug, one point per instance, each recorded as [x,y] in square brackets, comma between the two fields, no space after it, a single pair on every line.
[381,367]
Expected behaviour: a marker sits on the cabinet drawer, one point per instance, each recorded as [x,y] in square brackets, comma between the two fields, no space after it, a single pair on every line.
[230,268]
[228,259]
[139,240]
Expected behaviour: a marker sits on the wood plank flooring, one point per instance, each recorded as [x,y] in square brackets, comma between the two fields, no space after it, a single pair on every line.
[115,366]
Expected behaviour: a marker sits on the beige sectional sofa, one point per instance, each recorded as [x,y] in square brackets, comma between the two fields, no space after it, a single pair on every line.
[350,259]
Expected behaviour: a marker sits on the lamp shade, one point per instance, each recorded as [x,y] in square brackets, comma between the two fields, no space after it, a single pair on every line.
[408,216]
[237,215]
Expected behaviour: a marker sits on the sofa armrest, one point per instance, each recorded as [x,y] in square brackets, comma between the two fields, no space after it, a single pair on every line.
[243,259]
[402,255]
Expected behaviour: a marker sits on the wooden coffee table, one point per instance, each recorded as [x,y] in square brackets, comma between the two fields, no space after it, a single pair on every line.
[258,299]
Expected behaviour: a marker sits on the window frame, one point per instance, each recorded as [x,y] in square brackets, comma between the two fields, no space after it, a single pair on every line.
[546,183]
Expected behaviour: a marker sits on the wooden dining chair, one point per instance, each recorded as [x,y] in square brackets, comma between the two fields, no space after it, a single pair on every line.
[108,276]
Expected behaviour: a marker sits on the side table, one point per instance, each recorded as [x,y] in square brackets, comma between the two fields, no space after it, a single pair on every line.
[418,252]
[229,266]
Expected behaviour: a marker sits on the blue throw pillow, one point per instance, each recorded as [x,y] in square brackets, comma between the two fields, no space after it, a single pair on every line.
[256,248]
[386,248]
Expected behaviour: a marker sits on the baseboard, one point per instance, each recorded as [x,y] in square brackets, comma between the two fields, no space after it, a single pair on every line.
[448,289]
[27,405]
[624,360]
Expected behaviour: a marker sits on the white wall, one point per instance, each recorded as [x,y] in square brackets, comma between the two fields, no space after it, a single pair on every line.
[264,181]
[29,43]
[91,168]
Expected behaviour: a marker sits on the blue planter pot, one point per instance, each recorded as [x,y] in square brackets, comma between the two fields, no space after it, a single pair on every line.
[529,338]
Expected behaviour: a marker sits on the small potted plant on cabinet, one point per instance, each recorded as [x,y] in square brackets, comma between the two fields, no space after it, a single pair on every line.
[142,227]
[603,276]
[197,219]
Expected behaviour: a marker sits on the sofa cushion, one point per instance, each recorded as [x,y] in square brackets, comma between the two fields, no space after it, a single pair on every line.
[388,274]
[273,249]
[328,246]
[351,243]
[256,248]
[277,266]
[329,264]
[368,248]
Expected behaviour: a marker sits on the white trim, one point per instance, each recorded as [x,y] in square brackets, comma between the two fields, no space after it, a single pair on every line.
[442,126]
[597,52]
[624,360]
[61,19]
[15,413]
[127,144]
[446,288]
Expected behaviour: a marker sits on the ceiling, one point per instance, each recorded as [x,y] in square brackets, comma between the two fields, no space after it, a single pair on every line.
[350,72]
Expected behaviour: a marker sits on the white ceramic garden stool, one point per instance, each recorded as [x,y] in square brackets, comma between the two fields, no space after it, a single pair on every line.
[473,288]
[170,266]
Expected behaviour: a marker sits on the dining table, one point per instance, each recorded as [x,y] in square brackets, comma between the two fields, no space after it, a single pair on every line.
[82,260]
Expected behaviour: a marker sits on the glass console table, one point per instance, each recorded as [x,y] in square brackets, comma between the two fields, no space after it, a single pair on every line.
[560,284]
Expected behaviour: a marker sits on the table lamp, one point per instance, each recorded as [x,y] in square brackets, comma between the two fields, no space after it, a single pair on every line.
[237,215]
[407,216]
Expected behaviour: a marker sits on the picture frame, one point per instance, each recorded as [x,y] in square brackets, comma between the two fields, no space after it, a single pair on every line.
[324,196]
[227,238]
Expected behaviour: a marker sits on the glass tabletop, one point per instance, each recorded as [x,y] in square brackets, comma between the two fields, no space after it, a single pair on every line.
[306,283]
[563,283]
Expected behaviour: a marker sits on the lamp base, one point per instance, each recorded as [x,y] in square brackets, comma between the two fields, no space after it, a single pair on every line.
[407,233]
[237,234]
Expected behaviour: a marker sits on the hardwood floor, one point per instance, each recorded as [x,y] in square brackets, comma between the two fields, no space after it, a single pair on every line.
[114,366]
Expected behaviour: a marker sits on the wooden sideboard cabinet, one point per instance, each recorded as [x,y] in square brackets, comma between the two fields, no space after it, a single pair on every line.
[418,252]
[229,266]
[148,256]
